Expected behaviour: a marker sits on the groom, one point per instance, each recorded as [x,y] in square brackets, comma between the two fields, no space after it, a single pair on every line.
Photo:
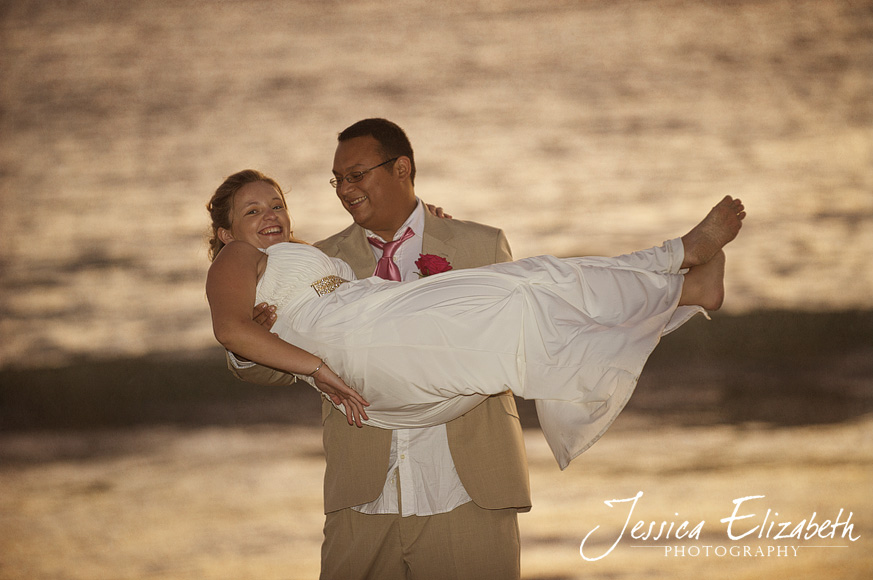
[431,503]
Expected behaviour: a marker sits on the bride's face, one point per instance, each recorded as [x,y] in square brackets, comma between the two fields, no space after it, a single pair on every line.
[259,216]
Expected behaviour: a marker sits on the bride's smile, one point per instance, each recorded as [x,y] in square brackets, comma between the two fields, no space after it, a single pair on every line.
[259,216]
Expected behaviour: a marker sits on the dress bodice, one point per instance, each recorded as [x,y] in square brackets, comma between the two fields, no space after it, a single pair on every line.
[291,271]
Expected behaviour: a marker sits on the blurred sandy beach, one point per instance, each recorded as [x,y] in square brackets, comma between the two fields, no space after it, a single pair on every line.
[156,468]
[166,467]
[580,127]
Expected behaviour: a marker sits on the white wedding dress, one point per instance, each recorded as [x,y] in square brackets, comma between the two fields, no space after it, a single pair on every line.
[572,333]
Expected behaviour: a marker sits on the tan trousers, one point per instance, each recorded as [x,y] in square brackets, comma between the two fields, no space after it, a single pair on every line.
[468,543]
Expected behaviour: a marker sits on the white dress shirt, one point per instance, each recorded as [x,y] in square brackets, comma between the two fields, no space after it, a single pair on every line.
[421,479]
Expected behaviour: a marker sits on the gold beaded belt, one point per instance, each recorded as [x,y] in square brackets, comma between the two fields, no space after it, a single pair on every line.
[327,284]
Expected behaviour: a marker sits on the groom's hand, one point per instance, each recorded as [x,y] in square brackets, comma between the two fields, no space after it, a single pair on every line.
[265,315]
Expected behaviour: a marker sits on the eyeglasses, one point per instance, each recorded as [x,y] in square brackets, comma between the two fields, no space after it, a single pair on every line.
[356,176]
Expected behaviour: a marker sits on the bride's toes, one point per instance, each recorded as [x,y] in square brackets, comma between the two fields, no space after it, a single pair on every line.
[720,226]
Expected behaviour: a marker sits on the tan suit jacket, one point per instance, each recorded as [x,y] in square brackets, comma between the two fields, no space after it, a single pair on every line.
[486,443]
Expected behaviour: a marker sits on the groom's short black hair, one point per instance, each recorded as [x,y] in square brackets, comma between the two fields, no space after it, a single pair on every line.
[392,139]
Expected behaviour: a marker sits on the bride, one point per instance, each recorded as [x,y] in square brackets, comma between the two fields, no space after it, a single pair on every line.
[573,333]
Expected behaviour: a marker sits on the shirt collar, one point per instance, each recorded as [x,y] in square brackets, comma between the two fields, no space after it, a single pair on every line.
[414,221]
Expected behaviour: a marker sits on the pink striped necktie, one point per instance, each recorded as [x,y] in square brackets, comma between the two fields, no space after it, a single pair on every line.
[386,268]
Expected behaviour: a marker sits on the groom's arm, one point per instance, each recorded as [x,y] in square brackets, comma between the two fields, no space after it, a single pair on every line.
[257,374]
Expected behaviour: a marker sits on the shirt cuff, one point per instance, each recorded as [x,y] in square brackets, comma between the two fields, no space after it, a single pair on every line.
[238,364]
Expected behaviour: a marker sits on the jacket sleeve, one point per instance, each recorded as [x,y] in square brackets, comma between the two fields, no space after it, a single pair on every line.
[504,253]
[261,375]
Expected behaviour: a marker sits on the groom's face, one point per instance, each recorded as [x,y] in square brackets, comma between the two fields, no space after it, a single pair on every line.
[378,202]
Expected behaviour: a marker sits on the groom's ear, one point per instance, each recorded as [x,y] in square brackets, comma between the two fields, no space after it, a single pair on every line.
[225,236]
[403,167]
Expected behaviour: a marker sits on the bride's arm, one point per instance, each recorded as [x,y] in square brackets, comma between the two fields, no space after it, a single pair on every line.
[230,288]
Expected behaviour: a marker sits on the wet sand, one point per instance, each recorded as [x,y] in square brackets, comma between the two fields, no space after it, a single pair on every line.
[233,502]
[132,469]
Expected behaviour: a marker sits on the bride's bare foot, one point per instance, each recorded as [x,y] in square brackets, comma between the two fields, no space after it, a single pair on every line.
[704,284]
[720,226]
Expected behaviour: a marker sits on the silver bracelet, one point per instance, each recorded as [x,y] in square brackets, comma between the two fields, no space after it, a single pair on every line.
[318,368]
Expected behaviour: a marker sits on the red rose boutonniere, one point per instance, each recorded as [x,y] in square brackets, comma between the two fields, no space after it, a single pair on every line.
[428,264]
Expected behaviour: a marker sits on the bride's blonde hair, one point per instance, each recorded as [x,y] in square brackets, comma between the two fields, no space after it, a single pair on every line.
[221,204]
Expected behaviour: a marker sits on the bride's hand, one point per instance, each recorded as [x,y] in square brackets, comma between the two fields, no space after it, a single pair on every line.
[329,383]
[437,211]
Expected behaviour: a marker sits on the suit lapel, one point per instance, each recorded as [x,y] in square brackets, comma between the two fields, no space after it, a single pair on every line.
[354,249]
[437,238]
[357,253]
